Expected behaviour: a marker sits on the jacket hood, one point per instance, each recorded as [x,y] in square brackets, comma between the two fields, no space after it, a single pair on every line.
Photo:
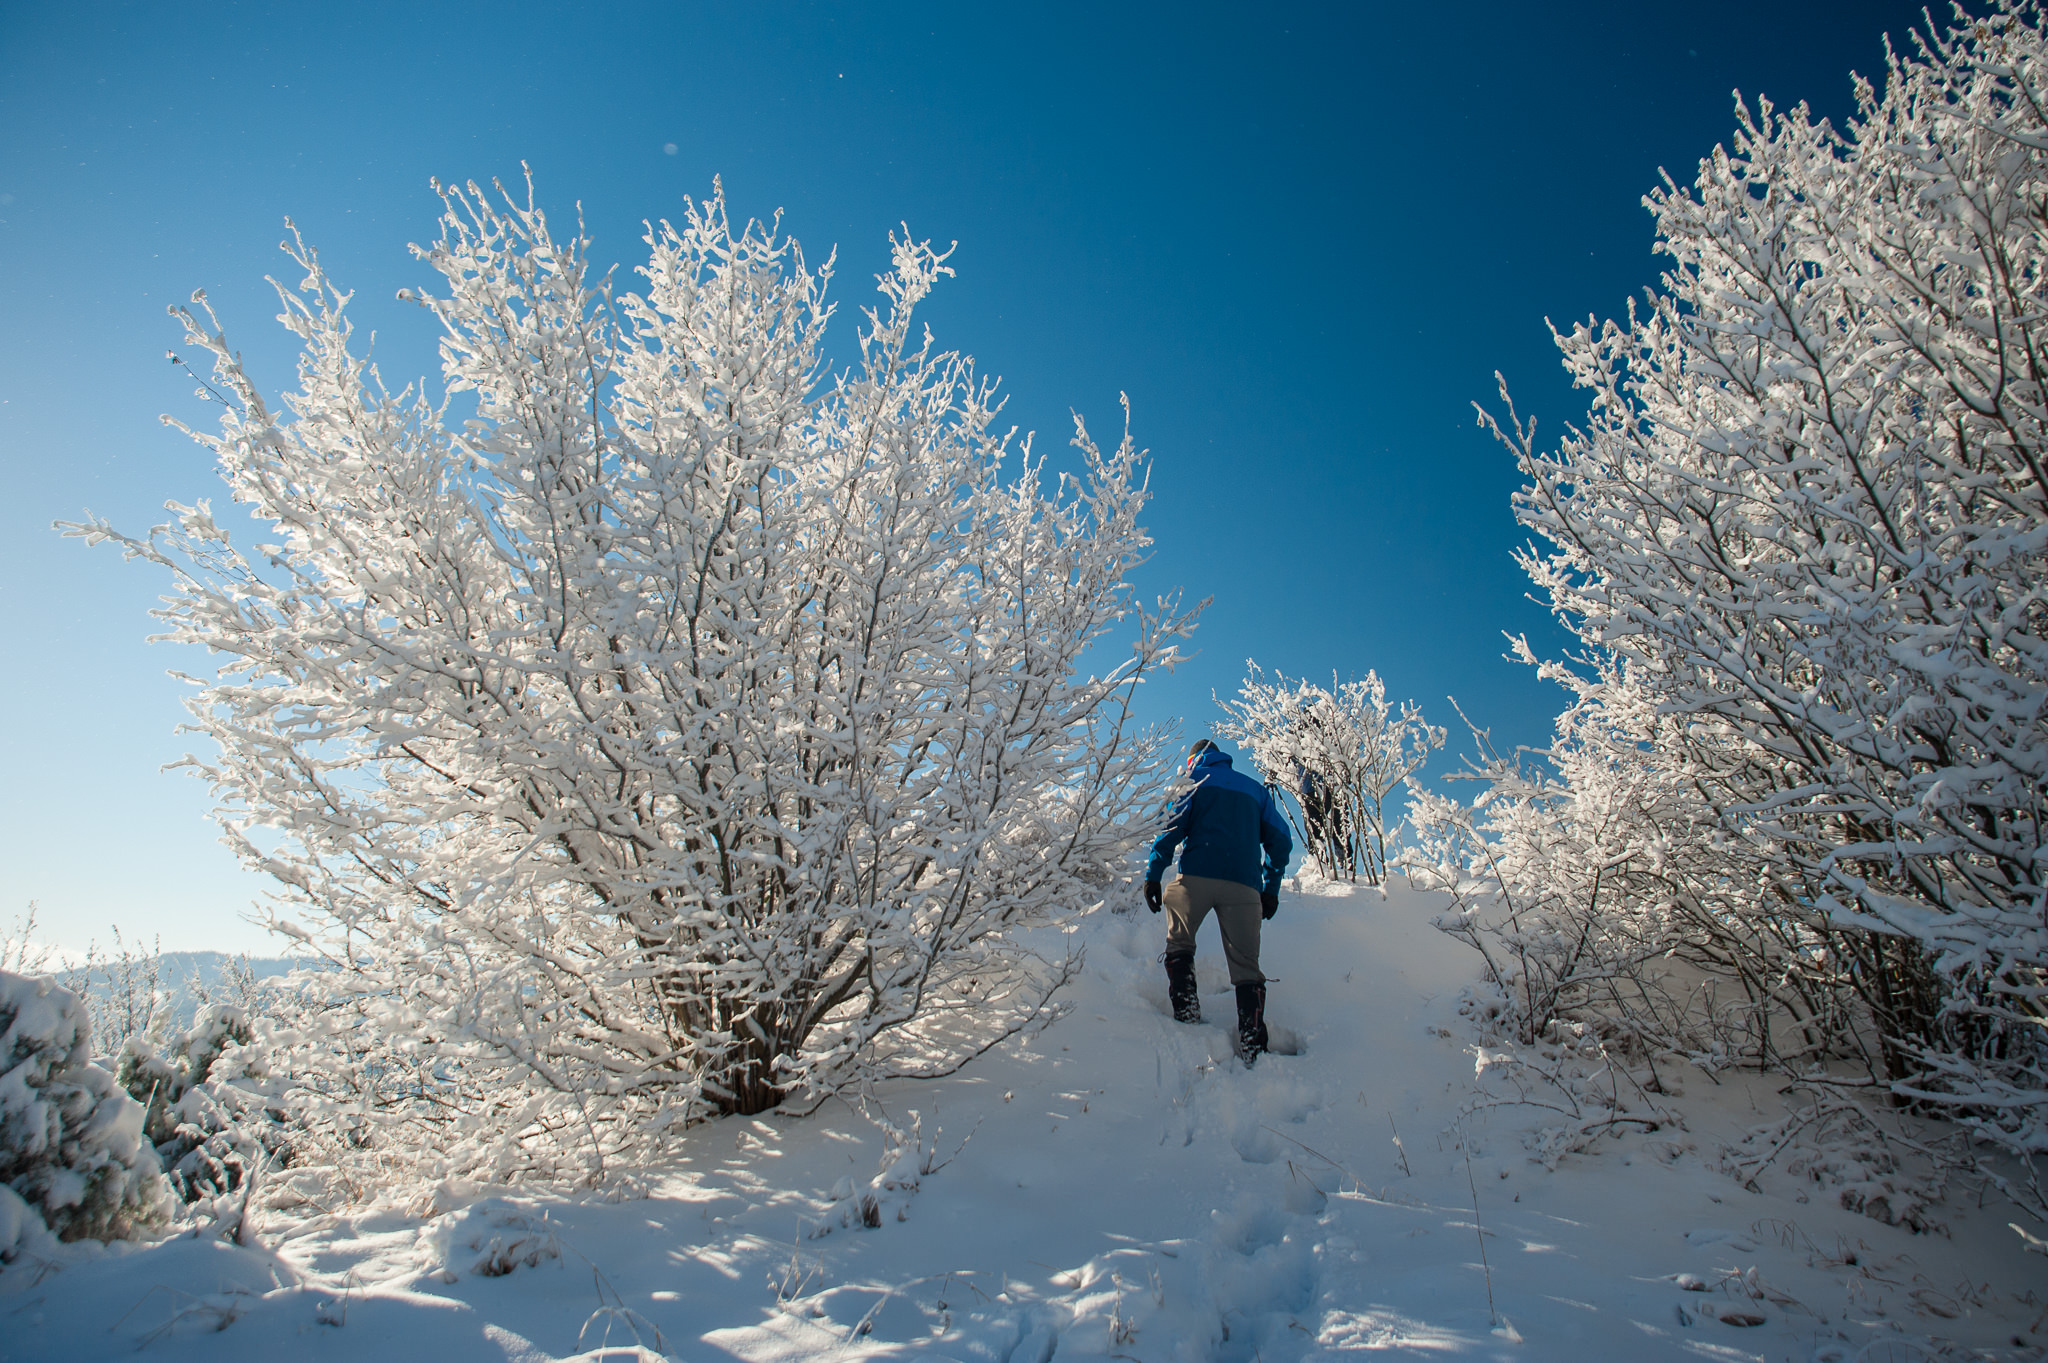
[1213,757]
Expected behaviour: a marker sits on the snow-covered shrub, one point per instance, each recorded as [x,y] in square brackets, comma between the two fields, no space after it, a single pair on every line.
[651,743]
[489,1239]
[1853,1157]
[213,1110]
[1339,753]
[1808,516]
[1612,908]
[71,1141]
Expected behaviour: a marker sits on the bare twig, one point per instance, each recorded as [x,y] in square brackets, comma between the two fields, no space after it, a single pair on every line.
[1486,1267]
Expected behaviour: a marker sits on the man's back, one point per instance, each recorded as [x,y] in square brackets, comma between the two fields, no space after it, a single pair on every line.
[1222,826]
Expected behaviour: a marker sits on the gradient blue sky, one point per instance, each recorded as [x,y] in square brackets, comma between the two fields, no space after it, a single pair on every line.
[1302,238]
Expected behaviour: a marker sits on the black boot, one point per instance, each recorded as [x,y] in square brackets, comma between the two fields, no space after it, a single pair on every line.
[1180,986]
[1251,1020]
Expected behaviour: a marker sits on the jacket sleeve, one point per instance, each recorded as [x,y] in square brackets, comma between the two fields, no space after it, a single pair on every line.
[1176,833]
[1274,837]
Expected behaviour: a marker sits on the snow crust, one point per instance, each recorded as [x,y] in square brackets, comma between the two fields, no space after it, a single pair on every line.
[1119,1186]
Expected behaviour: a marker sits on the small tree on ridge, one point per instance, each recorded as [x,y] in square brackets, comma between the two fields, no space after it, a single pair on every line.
[1339,752]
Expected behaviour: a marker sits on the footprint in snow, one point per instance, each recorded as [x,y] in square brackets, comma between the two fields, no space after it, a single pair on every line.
[1250,1230]
[1036,1347]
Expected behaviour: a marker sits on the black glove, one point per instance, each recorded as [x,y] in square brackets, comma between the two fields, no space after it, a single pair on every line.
[1152,895]
[1269,903]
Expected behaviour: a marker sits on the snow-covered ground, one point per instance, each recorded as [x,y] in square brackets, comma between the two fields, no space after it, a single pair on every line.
[1129,1191]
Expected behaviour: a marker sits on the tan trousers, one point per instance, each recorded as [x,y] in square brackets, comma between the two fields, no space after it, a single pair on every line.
[1187,902]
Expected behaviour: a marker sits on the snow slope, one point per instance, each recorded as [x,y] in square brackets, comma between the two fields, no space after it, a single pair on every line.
[1129,1191]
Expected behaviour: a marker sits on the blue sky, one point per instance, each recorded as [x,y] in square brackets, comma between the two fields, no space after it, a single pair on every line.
[1302,238]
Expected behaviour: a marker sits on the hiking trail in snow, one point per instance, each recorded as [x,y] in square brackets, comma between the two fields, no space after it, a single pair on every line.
[1117,1186]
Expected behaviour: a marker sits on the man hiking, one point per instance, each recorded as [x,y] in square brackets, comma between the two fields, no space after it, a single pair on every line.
[1325,822]
[1234,851]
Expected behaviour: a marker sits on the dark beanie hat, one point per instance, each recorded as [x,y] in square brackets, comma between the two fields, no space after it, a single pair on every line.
[1202,745]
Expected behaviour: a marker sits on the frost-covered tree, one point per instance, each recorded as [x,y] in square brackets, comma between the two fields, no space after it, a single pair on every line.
[1611,906]
[71,1142]
[1808,518]
[659,725]
[1340,751]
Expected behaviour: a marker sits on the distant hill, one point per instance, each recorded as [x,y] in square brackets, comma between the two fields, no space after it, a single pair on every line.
[210,968]
[177,978]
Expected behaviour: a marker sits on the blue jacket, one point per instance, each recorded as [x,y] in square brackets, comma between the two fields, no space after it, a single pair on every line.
[1225,822]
